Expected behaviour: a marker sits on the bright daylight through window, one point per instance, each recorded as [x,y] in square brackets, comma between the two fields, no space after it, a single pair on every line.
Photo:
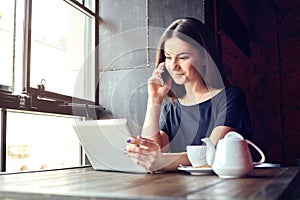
[62,45]
[6,42]
[50,42]
[40,142]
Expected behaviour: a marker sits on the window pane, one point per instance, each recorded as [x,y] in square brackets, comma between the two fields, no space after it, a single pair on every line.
[6,41]
[90,4]
[61,47]
[36,141]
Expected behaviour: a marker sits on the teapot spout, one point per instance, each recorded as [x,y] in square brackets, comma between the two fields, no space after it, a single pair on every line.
[210,151]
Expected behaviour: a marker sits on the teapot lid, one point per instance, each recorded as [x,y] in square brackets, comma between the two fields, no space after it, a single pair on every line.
[232,135]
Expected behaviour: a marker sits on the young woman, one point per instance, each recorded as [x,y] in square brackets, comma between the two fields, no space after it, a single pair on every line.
[189,71]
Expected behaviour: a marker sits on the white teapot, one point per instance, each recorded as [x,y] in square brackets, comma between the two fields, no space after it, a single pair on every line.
[232,157]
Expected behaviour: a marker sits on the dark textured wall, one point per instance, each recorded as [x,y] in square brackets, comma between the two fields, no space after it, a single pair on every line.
[270,75]
[129,33]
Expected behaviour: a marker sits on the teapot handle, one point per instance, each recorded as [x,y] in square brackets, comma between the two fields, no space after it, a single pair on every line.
[263,158]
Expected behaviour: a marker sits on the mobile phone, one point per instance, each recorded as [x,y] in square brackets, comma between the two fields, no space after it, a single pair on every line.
[176,90]
[165,75]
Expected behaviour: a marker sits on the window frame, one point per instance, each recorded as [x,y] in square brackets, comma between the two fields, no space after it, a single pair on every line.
[33,99]
[42,101]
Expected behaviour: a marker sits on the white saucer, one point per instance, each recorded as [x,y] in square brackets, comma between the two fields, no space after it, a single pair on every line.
[196,170]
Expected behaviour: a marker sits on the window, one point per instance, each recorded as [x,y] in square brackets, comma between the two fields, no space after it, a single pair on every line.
[40,141]
[6,41]
[47,50]
[62,43]
[49,44]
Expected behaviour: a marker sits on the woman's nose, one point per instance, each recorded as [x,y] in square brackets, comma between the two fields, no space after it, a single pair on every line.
[174,64]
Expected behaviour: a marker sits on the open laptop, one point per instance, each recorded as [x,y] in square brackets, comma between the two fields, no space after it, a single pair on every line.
[104,142]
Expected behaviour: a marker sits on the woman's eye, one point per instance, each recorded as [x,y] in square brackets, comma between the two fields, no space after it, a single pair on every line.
[168,57]
[183,57]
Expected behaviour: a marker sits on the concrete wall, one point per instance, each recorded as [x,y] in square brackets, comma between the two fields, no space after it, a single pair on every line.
[127,49]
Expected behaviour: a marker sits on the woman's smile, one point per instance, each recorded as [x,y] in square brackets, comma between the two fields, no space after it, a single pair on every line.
[177,74]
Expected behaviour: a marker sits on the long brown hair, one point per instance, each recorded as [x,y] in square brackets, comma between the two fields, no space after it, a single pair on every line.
[194,32]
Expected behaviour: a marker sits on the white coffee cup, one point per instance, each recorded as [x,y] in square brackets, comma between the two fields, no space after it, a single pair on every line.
[197,155]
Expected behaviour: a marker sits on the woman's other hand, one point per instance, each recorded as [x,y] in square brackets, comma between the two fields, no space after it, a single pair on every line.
[157,89]
[144,152]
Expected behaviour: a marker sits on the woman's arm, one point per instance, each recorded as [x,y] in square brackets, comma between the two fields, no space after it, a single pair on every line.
[171,161]
[151,123]
[147,153]
[219,132]
[157,91]
[151,127]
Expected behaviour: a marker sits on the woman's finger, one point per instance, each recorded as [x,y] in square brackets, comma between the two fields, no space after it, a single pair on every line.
[147,143]
[150,144]
[159,69]
[156,79]
[160,66]
[142,163]
[142,154]
[140,149]
[146,161]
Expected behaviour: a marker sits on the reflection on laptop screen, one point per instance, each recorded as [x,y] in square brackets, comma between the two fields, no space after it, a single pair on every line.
[104,142]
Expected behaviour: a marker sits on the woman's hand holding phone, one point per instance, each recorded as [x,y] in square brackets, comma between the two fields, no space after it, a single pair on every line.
[159,83]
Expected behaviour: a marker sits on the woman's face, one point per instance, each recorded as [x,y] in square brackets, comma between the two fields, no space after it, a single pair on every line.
[182,61]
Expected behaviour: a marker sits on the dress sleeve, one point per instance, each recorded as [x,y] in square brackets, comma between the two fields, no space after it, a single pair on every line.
[169,119]
[232,111]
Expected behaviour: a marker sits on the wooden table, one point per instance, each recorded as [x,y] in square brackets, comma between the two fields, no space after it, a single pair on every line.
[85,183]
